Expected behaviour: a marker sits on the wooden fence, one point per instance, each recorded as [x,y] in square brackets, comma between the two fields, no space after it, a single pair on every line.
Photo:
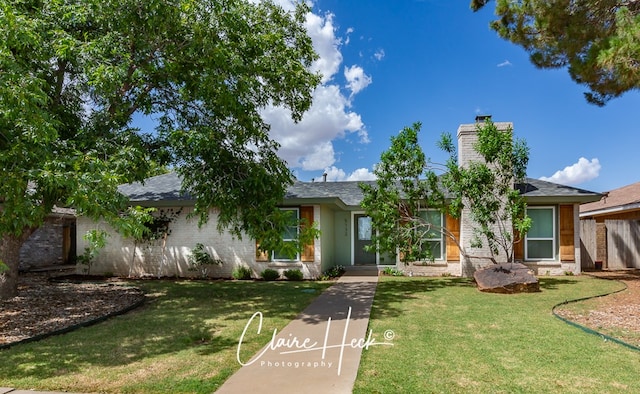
[588,244]
[615,242]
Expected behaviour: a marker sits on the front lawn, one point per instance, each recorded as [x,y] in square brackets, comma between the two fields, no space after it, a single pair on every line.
[183,340]
[448,337]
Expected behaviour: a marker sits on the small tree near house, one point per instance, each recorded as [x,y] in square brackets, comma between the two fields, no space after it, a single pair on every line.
[407,190]
[486,188]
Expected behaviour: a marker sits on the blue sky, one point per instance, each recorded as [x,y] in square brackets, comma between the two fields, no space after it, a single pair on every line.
[388,64]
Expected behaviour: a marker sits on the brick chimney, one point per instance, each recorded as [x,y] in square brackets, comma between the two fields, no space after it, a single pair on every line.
[467,137]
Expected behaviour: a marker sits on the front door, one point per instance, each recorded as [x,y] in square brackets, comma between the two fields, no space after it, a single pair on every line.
[362,237]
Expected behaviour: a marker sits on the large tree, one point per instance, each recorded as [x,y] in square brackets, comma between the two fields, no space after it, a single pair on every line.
[598,40]
[74,73]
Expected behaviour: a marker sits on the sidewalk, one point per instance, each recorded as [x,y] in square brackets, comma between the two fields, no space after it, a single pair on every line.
[333,322]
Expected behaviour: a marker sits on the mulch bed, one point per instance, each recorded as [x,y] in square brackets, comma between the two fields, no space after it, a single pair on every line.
[44,306]
[617,313]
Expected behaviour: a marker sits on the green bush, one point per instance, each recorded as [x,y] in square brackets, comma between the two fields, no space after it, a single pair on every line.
[200,260]
[294,274]
[332,272]
[270,274]
[392,272]
[241,273]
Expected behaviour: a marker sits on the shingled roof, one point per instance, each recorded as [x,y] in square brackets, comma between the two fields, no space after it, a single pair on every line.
[167,189]
[622,199]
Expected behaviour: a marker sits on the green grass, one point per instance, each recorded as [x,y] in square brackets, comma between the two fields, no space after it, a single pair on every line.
[184,340]
[451,338]
[448,338]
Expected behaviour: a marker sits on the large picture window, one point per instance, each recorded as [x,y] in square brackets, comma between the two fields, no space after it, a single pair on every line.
[290,235]
[431,233]
[541,239]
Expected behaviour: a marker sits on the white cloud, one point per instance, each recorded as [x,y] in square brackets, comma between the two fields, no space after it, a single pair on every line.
[362,174]
[347,39]
[582,171]
[379,55]
[308,145]
[505,63]
[337,174]
[356,79]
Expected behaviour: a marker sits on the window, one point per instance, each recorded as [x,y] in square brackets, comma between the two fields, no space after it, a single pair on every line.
[541,239]
[431,236]
[289,236]
[364,228]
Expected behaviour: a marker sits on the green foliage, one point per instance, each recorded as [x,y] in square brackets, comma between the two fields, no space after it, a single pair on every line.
[294,274]
[597,40]
[272,230]
[392,272]
[333,272]
[269,274]
[200,260]
[497,208]
[405,186]
[241,273]
[74,74]
[97,240]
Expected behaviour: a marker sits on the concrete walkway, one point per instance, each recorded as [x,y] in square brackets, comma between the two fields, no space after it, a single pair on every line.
[319,351]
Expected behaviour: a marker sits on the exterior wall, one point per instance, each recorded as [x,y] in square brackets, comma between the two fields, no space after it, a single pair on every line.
[342,238]
[327,221]
[169,257]
[628,215]
[48,245]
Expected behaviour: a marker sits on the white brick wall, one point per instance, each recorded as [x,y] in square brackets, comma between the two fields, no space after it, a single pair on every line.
[169,257]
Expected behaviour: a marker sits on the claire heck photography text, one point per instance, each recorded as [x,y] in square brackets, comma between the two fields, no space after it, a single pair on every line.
[291,350]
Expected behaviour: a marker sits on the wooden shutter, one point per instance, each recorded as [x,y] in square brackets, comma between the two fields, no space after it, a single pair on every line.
[518,249]
[308,250]
[567,247]
[453,225]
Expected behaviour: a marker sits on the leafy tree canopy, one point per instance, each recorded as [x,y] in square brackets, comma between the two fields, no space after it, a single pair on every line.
[406,186]
[74,73]
[487,187]
[598,40]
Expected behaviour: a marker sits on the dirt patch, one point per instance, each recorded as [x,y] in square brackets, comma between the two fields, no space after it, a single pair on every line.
[617,315]
[44,306]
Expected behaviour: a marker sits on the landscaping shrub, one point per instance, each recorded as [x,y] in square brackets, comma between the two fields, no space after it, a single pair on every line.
[294,274]
[200,260]
[392,272]
[332,272]
[270,274]
[241,273]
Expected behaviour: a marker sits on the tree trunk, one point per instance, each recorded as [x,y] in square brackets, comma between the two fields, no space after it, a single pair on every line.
[10,245]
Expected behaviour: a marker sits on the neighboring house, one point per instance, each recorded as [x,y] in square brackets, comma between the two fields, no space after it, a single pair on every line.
[53,243]
[611,229]
[552,246]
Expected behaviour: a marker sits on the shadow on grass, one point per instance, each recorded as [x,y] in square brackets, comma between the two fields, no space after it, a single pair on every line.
[553,283]
[392,291]
[203,316]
